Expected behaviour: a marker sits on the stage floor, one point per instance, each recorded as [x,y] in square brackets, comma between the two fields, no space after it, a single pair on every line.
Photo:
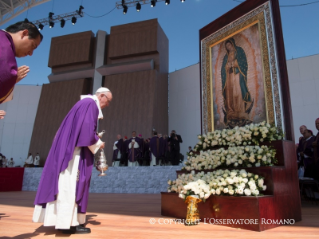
[128,216]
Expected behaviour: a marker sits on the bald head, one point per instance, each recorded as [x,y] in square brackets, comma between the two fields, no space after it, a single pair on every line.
[302,129]
[317,124]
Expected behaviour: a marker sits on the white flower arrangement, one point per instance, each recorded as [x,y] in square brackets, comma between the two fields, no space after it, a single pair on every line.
[240,156]
[219,182]
[251,134]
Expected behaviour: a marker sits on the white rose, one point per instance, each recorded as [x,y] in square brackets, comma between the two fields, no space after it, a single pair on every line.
[247,192]
[260,183]
[182,196]
[225,190]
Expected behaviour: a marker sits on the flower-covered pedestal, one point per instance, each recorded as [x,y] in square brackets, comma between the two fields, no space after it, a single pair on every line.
[279,204]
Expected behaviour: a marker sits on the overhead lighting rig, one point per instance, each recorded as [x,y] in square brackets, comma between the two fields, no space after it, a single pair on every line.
[125,4]
[62,18]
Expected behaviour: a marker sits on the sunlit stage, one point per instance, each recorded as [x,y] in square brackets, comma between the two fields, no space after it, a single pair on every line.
[129,215]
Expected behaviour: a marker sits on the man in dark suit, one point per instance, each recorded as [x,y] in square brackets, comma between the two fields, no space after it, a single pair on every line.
[175,141]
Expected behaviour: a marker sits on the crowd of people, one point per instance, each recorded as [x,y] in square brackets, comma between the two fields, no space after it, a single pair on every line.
[137,151]
[6,163]
[308,153]
[29,162]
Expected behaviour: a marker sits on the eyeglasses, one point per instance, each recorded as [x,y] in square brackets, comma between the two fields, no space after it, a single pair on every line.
[107,98]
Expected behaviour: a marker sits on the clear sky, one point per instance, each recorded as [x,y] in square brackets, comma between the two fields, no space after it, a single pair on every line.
[181,23]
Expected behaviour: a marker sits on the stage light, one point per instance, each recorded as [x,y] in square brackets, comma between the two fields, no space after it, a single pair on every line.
[73,20]
[62,23]
[167,2]
[40,27]
[138,7]
[124,9]
[51,24]
[182,0]
[123,3]
[51,15]
[153,3]
[80,9]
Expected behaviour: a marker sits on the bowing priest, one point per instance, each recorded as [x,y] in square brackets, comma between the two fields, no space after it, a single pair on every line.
[17,40]
[62,195]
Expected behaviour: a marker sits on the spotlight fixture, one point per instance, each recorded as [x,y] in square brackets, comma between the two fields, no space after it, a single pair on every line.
[153,3]
[123,3]
[167,2]
[124,9]
[80,9]
[73,20]
[182,0]
[51,15]
[138,7]
[51,24]
[40,27]
[62,22]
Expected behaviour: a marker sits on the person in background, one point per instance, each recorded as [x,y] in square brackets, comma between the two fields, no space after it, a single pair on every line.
[36,162]
[29,161]
[10,163]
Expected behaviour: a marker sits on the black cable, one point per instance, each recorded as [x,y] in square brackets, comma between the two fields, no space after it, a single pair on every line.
[101,15]
[296,5]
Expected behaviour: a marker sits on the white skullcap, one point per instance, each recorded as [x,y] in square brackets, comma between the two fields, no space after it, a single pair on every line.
[102,89]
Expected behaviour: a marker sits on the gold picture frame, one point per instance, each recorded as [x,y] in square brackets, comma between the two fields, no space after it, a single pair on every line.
[264,103]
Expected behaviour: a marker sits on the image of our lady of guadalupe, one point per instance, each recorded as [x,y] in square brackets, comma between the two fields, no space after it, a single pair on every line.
[237,99]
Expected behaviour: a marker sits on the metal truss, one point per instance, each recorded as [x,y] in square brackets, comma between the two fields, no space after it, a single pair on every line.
[12,8]
[132,3]
[58,18]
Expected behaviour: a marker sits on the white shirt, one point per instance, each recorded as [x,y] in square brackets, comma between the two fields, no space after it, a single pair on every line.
[29,160]
[36,160]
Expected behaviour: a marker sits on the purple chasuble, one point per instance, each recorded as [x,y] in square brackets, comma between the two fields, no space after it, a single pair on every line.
[78,129]
[155,146]
[8,65]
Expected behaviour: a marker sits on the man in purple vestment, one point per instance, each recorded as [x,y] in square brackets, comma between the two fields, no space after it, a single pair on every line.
[133,150]
[62,195]
[18,40]
[155,149]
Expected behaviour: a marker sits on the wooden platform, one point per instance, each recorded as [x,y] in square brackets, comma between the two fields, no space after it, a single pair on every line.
[281,200]
[127,216]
